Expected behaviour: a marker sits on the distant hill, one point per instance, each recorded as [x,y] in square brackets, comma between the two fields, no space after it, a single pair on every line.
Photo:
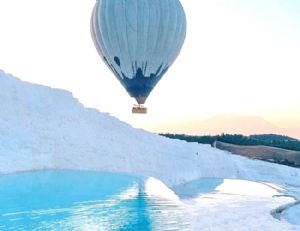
[272,140]
[266,153]
[229,124]
[269,147]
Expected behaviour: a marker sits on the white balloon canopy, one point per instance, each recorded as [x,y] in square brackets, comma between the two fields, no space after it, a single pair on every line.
[138,40]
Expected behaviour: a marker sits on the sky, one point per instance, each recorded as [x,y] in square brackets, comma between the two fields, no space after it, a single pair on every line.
[240,57]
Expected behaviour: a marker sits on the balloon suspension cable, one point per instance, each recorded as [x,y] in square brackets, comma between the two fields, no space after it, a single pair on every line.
[139,109]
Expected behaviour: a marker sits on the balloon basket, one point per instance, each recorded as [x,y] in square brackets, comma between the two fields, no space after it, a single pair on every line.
[139,109]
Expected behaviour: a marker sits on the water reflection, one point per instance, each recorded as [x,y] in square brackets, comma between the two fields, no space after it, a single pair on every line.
[75,200]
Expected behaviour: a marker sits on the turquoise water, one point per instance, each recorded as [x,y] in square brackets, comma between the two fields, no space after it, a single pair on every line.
[292,213]
[82,200]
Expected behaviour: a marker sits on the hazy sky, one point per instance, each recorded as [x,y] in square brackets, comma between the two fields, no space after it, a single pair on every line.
[240,56]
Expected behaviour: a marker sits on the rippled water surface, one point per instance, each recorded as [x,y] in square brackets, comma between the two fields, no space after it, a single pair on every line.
[79,200]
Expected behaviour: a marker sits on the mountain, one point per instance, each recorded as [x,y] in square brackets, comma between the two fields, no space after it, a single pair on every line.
[227,123]
[46,128]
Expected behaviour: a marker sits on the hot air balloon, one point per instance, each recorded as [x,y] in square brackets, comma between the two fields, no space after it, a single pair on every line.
[138,40]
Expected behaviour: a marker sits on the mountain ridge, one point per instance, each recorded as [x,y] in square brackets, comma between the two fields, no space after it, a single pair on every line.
[226,123]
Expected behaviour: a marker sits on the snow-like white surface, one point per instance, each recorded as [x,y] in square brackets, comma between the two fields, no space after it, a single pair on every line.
[45,128]
[235,205]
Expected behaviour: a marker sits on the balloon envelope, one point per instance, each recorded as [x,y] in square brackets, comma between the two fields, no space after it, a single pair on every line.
[138,40]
